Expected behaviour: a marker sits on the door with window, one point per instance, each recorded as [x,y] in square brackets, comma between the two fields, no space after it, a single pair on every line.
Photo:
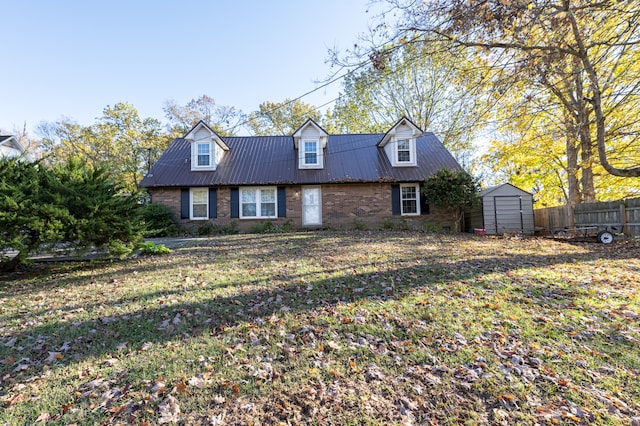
[311,206]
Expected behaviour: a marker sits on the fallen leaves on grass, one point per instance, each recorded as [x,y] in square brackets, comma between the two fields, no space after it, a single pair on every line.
[169,410]
[342,328]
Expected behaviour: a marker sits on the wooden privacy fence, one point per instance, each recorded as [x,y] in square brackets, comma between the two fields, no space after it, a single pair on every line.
[623,215]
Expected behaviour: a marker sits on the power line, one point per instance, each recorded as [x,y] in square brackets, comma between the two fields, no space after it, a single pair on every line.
[327,83]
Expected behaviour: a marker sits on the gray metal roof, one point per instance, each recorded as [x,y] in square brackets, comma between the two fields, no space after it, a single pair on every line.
[272,160]
[491,189]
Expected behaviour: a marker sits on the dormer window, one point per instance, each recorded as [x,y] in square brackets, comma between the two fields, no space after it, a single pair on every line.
[399,143]
[311,153]
[310,141]
[204,154]
[404,151]
[207,148]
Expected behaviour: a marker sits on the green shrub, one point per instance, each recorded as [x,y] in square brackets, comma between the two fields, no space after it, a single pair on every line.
[159,221]
[269,228]
[232,228]
[210,228]
[151,248]
[360,226]
[430,227]
[388,225]
[206,228]
[119,249]
[70,203]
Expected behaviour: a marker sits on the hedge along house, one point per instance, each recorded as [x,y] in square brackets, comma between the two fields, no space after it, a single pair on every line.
[503,209]
[310,178]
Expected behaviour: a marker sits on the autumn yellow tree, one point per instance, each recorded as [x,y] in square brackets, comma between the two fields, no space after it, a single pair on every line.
[281,118]
[119,141]
[575,57]
[435,88]
[224,120]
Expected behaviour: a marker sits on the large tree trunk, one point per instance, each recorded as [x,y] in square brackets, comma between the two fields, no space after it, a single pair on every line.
[580,110]
[586,149]
[596,99]
[588,189]
[575,196]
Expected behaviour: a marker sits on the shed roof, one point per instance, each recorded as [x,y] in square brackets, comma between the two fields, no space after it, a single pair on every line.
[503,186]
[271,160]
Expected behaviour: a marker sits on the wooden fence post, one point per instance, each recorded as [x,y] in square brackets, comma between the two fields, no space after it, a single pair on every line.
[623,218]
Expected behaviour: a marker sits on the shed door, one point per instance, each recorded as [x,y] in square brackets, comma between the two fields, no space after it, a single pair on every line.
[311,206]
[508,214]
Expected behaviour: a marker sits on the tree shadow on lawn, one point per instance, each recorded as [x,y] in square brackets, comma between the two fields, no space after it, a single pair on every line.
[68,274]
[210,249]
[300,292]
[170,263]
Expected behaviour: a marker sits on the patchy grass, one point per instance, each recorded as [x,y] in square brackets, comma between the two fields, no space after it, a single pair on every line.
[328,328]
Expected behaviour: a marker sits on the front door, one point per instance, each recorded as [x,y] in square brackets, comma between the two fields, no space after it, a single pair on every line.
[311,206]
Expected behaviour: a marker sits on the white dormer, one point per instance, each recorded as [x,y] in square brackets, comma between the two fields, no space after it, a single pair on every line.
[310,140]
[399,143]
[207,148]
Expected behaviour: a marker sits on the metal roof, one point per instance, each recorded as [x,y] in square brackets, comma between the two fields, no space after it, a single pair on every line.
[272,160]
[491,189]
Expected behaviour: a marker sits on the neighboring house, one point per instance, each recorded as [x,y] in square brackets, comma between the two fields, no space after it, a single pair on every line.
[310,178]
[503,209]
[10,147]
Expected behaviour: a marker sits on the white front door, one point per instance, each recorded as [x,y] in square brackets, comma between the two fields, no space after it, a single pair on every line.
[311,206]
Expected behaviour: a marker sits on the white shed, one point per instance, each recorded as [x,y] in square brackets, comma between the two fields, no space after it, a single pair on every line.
[503,209]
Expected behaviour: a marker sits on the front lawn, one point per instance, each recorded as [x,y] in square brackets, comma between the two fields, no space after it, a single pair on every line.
[328,328]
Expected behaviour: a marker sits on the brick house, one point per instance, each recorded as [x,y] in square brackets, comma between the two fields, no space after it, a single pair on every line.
[310,178]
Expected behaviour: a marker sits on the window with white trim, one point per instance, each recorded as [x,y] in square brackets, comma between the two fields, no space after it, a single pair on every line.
[403,151]
[257,203]
[409,200]
[199,204]
[203,154]
[310,152]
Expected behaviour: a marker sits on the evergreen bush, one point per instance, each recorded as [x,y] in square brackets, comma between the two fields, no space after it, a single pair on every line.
[159,221]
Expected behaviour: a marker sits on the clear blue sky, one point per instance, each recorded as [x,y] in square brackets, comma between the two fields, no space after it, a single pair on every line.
[73,58]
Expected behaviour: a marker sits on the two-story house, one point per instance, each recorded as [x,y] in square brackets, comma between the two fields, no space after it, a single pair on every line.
[312,178]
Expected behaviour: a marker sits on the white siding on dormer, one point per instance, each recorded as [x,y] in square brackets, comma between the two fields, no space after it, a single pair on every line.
[218,153]
[215,150]
[403,130]
[310,133]
[201,134]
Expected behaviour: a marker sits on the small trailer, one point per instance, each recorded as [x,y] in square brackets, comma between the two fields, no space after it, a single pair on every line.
[602,234]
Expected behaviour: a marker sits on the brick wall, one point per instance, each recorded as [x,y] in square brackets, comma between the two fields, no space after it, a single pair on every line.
[343,206]
[369,205]
[170,197]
